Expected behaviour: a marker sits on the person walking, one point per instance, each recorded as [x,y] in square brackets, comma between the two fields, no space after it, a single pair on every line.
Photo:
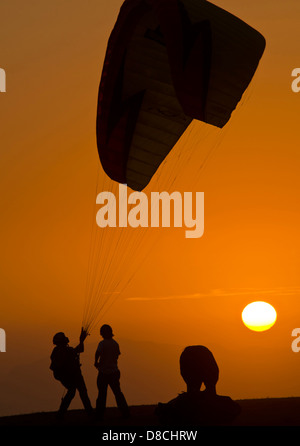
[66,369]
[106,362]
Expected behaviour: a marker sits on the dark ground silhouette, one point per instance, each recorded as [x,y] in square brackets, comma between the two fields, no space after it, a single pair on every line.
[255,412]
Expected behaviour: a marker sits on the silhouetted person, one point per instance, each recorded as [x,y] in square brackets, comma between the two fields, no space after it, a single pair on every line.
[198,366]
[106,361]
[66,369]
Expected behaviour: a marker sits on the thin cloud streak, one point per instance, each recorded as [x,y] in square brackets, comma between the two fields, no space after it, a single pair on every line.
[225,293]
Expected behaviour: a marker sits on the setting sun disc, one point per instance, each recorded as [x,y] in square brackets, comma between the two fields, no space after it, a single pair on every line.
[259,316]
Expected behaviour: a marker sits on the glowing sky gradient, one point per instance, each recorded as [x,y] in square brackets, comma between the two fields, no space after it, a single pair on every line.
[185,291]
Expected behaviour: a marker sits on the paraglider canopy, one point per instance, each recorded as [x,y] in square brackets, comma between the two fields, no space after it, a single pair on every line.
[168,62]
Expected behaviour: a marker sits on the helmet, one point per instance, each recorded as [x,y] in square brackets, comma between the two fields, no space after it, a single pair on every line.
[60,339]
[106,331]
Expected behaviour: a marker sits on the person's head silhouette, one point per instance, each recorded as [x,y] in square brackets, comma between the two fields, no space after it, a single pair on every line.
[197,366]
[106,331]
[60,339]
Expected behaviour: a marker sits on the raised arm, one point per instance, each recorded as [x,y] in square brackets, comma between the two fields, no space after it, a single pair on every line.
[80,346]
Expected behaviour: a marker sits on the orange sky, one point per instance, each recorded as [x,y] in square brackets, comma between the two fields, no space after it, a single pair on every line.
[186,291]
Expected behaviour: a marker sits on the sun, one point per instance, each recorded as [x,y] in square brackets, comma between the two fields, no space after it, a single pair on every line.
[259,316]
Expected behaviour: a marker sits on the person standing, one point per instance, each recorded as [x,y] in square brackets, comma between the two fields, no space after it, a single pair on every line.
[106,362]
[198,407]
[65,365]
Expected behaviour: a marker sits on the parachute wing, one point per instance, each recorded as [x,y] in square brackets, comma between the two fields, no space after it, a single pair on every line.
[168,62]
